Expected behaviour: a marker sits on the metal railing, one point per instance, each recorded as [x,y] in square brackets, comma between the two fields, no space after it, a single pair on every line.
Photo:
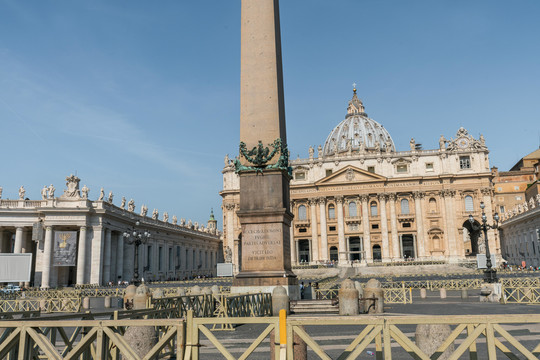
[481,336]
[45,305]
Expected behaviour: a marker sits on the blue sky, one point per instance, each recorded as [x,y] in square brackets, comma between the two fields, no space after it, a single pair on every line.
[142,97]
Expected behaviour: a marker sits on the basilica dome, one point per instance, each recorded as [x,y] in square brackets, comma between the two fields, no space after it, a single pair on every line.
[358,133]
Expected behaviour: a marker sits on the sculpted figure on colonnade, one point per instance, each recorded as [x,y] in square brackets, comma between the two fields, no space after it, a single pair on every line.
[44,192]
[155,214]
[174,220]
[144,209]
[442,142]
[1,190]
[131,205]
[123,204]
[85,190]
[51,191]
[110,197]
[101,195]
[21,192]
[166,216]
[72,184]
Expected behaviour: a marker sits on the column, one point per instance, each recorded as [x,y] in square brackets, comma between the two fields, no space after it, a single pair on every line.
[120,257]
[96,268]
[292,242]
[113,256]
[365,226]
[107,257]
[81,256]
[314,235]
[393,224]
[230,226]
[384,229]
[47,256]
[297,252]
[2,233]
[324,238]
[450,228]
[18,241]
[418,196]
[341,231]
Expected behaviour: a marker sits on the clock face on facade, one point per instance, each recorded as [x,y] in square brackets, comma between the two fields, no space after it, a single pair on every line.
[463,143]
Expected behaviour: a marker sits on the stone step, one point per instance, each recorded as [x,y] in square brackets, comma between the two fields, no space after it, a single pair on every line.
[314,306]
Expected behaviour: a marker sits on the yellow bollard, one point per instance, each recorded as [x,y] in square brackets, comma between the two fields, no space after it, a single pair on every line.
[282,334]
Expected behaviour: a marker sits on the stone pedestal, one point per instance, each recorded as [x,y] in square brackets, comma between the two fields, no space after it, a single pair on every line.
[348,298]
[430,336]
[265,220]
[491,292]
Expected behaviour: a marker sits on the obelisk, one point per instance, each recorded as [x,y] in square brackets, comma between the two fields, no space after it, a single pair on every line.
[263,163]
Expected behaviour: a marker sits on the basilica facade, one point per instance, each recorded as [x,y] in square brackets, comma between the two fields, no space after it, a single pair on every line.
[357,200]
[76,240]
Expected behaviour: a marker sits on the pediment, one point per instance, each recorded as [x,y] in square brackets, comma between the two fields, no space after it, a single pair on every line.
[350,174]
[401,161]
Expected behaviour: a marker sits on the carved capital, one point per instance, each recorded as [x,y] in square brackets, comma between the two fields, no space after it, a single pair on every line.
[391,196]
[339,199]
[448,193]
[313,201]
[230,206]
[364,198]
[382,197]
[418,195]
[485,191]
[322,200]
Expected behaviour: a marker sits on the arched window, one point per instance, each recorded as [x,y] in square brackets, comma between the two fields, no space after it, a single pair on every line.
[373,208]
[469,205]
[404,206]
[302,213]
[331,212]
[432,205]
[352,209]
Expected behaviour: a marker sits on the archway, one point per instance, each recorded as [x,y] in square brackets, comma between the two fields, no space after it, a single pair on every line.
[377,253]
[473,233]
[303,251]
[333,253]
[354,248]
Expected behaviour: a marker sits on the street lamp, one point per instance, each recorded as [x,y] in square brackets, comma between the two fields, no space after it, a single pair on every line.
[490,274]
[137,237]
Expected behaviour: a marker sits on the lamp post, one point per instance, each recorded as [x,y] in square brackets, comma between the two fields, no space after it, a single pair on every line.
[490,274]
[137,237]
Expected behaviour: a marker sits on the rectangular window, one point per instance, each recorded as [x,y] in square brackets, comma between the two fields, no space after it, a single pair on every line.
[429,166]
[464,162]
[178,257]
[516,187]
[328,172]
[371,169]
[300,176]
[401,169]
[406,225]
[149,258]
[171,260]
[499,188]
[374,226]
[302,230]
[518,198]
[160,258]
[501,208]
[331,228]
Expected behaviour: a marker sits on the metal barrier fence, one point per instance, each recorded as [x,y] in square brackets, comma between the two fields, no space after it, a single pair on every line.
[400,295]
[521,295]
[480,336]
[45,305]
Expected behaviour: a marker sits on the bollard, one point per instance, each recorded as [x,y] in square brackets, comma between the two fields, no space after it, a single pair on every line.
[373,290]
[141,338]
[423,293]
[464,294]
[348,298]
[361,303]
[86,303]
[280,300]
[429,337]
[129,294]
[442,293]
[107,302]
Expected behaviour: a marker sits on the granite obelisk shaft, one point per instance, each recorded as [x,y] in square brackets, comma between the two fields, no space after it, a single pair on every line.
[264,181]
